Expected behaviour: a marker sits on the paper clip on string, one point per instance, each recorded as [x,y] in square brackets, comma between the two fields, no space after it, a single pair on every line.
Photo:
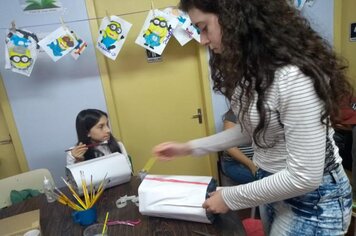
[13,26]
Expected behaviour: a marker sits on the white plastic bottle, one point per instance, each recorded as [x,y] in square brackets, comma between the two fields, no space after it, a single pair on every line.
[48,190]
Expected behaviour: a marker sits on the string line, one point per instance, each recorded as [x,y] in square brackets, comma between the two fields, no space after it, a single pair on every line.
[75,21]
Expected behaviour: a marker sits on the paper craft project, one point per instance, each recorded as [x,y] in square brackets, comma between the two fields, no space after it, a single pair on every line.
[176,197]
[116,166]
[192,30]
[156,31]
[112,35]
[21,51]
[179,33]
[59,43]
[299,4]
[79,48]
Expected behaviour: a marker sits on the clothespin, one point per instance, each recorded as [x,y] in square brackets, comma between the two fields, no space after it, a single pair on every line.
[107,15]
[62,23]
[153,8]
[13,26]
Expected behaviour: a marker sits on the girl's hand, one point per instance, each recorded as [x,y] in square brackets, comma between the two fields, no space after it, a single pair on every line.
[254,169]
[79,151]
[215,203]
[169,150]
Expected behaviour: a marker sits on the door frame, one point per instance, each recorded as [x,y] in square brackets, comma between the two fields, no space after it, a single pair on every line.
[10,121]
[341,37]
[110,102]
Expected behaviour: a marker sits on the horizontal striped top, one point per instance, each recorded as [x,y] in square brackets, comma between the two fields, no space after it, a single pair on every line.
[298,156]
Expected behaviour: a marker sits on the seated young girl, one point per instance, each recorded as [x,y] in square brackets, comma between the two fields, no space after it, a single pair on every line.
[94,137]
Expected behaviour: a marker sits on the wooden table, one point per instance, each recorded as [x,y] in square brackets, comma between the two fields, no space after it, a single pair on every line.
[56,219]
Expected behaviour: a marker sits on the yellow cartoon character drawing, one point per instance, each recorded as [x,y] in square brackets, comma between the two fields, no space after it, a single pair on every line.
[112,34]
[61,44]
[20,57]
[156,32]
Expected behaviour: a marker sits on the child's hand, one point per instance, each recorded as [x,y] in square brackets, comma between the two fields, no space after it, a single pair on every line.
[79,151]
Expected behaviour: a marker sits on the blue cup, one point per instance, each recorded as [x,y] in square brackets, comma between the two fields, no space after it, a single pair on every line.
[86,217]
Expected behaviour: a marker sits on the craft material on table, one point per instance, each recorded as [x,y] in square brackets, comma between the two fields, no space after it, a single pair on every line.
[142,173]
[89,198]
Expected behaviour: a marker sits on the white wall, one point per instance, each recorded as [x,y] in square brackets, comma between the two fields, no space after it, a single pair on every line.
[321,18]
[45,104]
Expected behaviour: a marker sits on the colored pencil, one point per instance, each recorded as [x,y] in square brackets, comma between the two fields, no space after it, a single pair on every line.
[88,145]
[105,222]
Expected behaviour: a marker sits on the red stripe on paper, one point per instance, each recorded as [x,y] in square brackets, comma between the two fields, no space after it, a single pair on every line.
[175,181]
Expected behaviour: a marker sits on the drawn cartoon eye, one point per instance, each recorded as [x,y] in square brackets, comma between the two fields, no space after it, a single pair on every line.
[113,27]
[156,21]
[25,59]
[163,24]
[16,59]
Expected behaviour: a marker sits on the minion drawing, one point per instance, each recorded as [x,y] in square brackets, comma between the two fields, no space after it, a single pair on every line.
[20,57]
[61,44]
[156,32]
[112,34]
[17,40]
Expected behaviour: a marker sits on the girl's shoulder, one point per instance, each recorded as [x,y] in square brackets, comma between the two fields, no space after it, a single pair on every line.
[286,71]
[291,77]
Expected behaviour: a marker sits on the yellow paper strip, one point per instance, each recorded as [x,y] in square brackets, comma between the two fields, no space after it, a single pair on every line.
[149,164]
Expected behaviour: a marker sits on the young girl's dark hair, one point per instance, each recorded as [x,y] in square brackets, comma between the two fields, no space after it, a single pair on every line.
[87,119]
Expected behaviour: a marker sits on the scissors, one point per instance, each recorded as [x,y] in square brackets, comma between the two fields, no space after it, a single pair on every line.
[202,233]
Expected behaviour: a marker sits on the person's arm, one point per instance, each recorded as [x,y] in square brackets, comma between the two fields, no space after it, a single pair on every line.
[76,154]
[70,158]
[198,147]
[218,142]
[236,154]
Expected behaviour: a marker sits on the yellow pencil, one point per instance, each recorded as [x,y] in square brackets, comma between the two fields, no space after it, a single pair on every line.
[96,197]
[66,199]
[85,190]
[91,188]
[149,164]
[105,222]
[70,204]
[102,183]
[75,195]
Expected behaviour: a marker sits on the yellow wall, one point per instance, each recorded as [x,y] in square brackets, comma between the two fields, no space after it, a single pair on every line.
[345,15]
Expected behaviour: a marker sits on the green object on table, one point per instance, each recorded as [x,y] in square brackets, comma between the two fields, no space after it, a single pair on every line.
[22,195]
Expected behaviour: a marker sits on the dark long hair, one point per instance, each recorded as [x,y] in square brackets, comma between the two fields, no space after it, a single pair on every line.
[261,36]
[87,119]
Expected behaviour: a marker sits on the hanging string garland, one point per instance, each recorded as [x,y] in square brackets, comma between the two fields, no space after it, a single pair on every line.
[158,28]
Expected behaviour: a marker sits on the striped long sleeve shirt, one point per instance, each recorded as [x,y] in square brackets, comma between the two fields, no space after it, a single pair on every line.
[297,158]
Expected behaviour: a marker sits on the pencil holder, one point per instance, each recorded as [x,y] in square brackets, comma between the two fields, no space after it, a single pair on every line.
[85,217]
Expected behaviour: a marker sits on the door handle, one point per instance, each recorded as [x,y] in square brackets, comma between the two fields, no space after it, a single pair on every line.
[6,141]
[198,116]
